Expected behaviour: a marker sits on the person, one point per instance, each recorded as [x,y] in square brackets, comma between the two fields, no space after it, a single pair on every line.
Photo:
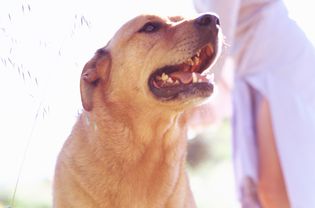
[273,99]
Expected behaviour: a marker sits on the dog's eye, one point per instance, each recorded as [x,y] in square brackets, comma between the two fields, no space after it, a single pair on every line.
[150,27]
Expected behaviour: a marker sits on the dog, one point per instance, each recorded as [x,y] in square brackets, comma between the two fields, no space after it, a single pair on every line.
[128,146]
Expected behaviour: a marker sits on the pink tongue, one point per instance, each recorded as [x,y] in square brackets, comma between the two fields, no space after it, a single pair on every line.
[186,77]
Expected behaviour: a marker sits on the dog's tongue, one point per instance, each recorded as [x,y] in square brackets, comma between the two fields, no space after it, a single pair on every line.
[184,77]
[187,77]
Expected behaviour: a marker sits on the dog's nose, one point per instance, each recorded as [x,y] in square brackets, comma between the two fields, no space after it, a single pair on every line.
[207,20]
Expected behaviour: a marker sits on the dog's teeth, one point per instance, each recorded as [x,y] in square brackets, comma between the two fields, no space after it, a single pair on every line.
[164,77]
[176,82]
[194,77]
[196,60]
[209,50]
[190,62]
[198,53]
[170,80]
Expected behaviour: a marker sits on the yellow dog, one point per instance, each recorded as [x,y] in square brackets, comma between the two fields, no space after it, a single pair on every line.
[128,147]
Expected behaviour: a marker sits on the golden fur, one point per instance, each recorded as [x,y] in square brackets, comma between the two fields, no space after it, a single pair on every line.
[128,148]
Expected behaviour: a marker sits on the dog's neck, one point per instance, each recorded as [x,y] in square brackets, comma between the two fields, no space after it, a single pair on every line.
[164,130]
[143,157]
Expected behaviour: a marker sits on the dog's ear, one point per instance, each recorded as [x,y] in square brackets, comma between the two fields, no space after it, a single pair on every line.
[94,71]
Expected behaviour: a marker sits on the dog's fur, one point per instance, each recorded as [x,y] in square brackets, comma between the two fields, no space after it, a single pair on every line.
[128,148]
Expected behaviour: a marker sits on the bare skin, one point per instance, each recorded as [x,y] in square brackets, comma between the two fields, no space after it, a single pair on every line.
[271,186]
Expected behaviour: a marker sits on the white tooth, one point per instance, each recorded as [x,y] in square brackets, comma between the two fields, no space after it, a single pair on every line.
[190,62]
[196,60]
[170,80]
[164,77]
[176,82]
[194,77]
[209,50]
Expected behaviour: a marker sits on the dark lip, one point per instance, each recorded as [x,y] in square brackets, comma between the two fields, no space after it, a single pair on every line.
[183,91]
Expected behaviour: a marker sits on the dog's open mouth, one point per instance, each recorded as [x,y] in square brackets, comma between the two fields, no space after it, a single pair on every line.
[189,78]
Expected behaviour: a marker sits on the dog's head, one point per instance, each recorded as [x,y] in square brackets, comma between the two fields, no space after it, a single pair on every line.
[154,61]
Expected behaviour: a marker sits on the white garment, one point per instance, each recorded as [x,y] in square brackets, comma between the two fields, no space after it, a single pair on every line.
[274,59]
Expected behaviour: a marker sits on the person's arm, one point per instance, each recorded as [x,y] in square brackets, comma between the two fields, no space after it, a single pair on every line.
[271,184]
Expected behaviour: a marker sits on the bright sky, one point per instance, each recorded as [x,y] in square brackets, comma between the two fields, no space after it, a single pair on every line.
[44,45]
[42,51]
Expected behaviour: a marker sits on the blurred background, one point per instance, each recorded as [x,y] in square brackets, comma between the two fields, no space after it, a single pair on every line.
[43,47]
